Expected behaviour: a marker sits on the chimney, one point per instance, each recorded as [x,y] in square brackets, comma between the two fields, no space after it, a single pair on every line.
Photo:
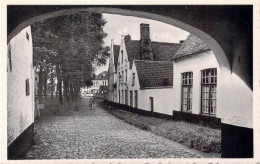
[127,38]
[144,31]
[145,43]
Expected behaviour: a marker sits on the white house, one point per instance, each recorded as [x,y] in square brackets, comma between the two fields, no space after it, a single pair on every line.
[100,80]
[20,93]
[196,76]
[112,72]
[168,78]
[133,55]
[151,85]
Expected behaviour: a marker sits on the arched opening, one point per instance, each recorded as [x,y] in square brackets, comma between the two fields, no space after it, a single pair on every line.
[230,83]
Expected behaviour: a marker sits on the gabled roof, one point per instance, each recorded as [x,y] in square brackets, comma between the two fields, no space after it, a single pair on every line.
[133,50]
[152,74]
[161,51]
[164,51]
[116,54]
[191,45]
[102,76]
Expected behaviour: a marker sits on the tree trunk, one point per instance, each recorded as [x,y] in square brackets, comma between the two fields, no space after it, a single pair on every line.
[40,85]
[66,87]
[45,79]
[52,81]
[59,85]
[71,92]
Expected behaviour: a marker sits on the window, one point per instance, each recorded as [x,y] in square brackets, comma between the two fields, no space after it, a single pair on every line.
[131,98]
[122,76]
[27,87]
[122,96]
[136,99]
[27,36]
[151,104]
[209,91]
[10,58]
[133,80]
[186,100]
[119,96]
[122,55]
[126,98]
[126,75]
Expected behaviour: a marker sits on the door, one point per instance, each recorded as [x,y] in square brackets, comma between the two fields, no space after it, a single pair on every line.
[151,103]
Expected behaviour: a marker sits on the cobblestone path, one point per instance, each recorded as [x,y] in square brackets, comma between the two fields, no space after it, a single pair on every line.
[95,134]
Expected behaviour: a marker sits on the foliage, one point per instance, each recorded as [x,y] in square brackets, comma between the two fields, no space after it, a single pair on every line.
[68,48]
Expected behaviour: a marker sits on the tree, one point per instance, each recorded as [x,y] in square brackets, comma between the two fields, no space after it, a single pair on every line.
[70,46]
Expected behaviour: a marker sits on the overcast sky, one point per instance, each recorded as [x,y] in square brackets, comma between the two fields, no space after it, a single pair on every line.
[118,25]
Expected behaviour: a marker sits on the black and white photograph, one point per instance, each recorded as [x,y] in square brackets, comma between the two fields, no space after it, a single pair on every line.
[129,81]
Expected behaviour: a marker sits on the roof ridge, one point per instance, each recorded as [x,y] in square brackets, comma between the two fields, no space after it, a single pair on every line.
[153,61]
[164,42]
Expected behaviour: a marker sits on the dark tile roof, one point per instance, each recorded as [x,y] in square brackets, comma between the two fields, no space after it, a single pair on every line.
[102,76]
[191,45]
[154,73]
[133,50]
[116,54]
[161,51]
[164,51]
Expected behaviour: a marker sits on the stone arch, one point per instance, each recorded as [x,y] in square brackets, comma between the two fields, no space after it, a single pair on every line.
[211,42]
[238,109]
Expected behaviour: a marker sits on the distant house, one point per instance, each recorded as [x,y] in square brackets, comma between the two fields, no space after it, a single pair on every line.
[100,80]
[20,93]
[196,76]
[103,92]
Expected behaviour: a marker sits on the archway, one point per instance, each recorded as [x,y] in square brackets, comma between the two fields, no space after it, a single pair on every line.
[233,78]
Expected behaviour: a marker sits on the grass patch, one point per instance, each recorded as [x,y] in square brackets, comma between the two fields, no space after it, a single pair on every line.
[194,136]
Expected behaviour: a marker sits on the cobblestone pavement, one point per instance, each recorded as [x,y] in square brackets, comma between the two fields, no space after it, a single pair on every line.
[95,134]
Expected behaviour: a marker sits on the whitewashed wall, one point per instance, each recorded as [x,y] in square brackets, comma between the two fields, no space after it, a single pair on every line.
[195,64]
[161,96]
[236,100]
[20,108]
[122,66]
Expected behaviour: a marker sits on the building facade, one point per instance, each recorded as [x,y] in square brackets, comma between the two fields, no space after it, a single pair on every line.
[185,72]
[100,80]
[20,93]
[144,72]
[151,82]
[112,72]
[195,88]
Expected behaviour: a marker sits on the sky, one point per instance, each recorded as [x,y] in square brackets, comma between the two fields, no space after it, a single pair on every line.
[118,25]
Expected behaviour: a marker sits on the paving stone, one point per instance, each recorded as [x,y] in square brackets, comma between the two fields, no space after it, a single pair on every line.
[96,134]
